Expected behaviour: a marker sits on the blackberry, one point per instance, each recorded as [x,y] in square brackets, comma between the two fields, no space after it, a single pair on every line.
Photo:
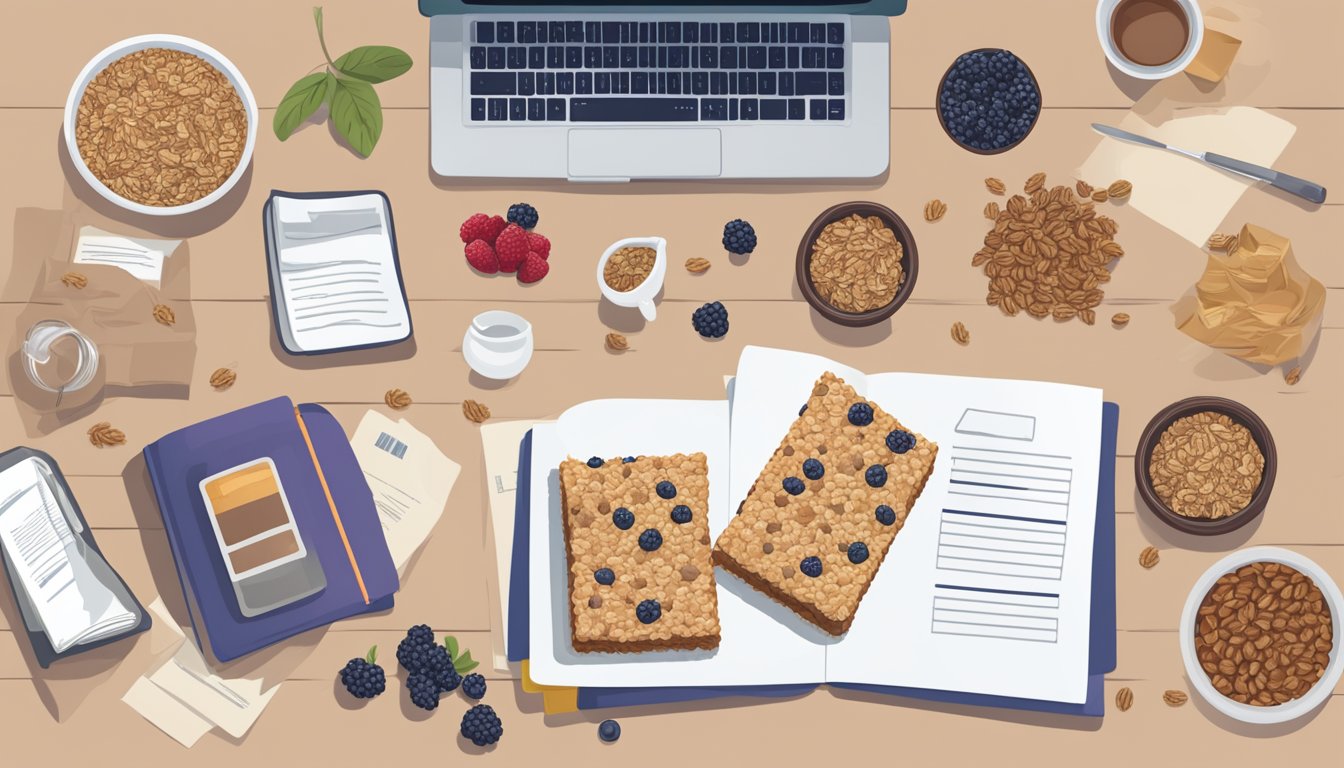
[813,470]
[523,215]
[481,726]
[473,686]
[711,320]
[989,100]
[648,611]
[413,651]
[739,237]
[628,460]
[650,540]
[811,566]
[900,441]
[681,514]
[860,414]
[604,576]
[447,679]
[609,731]
[885,515]
[439,660]
[858,552]
[876,476]
[595,462]
[363,678]
[623,518]
[666,490]
[424,691]
[794,486]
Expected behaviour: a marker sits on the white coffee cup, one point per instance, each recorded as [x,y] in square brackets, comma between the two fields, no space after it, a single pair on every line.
[1106,9]
[641,295]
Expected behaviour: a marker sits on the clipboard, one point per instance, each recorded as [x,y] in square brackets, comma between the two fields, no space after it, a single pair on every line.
[37,636]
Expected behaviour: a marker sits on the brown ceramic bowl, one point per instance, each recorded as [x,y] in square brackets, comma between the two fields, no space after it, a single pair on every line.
[1188,407]
[909,263]
[938,97]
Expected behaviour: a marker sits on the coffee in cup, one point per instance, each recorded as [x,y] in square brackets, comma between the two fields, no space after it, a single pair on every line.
[1150,39]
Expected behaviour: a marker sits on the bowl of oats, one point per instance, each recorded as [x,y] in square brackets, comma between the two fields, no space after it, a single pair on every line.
[160,125]
[1206,465]
[857,264]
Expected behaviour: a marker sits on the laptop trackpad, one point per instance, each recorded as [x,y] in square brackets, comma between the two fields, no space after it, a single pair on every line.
[644,153]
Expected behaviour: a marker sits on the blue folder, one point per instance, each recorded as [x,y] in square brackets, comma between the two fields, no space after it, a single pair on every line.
[1102,648]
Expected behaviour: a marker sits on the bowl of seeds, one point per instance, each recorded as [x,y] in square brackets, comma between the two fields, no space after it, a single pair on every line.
[160,125]
[857,263]
[1205,465]
[1258,635]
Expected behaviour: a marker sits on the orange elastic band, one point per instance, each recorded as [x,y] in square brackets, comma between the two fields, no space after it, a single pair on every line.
[321,478]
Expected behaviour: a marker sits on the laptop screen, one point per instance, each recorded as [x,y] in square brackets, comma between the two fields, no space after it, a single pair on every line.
[861,7]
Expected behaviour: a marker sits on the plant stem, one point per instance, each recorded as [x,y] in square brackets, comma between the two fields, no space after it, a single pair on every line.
[321,39]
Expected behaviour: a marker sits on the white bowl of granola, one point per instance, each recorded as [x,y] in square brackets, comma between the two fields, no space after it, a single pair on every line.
[160,125]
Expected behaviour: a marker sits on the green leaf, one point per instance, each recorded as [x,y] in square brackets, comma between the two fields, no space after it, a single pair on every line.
[372,656]
[321,35]
[302,100]
[357,114]
[374,63]
[450,643]
[465,664]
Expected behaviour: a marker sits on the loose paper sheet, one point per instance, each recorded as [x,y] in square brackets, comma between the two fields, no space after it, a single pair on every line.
[500,442]
[1189,197]
[142,257]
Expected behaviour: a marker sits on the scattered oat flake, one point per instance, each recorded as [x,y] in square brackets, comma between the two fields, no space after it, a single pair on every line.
[164,314]
[991,210]
[697,265]
[995,185]
[1175,698]
[1120,319]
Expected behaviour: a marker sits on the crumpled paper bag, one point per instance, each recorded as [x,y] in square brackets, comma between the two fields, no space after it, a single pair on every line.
[1255,303]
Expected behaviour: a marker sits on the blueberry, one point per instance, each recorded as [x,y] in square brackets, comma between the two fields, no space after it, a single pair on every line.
[876,476]
[813,469]
[681,514]
[811,566]
[802,410]
[609,731]
[900,441]
[860,414]
[628,460]
[604,576]
[650,540]
[623,518]
[648,611]
[885,515]
[858,552]
[595,462]
[666,490]
[794,486]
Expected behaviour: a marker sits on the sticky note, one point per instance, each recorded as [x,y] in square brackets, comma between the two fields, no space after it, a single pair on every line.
[1215,56]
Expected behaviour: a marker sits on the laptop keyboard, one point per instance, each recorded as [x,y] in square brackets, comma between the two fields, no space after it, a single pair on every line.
[656,71]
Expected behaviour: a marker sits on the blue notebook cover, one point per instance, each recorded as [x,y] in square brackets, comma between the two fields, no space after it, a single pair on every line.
[179,461]
[1102,647]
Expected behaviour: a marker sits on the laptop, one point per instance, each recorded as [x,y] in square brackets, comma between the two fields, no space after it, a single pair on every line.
[660,90]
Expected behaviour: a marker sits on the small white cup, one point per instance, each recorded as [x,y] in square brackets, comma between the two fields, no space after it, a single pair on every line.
[643,294]
[498,344]
[1106,9]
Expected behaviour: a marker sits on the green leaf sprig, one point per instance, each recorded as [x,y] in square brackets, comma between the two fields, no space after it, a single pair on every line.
[464,663]
[346,86]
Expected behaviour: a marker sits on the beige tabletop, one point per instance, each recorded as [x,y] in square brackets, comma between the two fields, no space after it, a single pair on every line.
[72,713]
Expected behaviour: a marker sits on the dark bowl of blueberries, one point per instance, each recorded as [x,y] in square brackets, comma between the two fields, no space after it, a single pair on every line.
[988,101]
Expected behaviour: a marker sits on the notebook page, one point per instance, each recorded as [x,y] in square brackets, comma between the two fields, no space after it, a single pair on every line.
[337,270]
[987,589]
[72,603]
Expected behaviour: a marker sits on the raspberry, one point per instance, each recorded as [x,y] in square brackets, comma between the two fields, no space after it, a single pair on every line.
[482,257]
[511,247]
[539,245]
[481,227]
[533,269]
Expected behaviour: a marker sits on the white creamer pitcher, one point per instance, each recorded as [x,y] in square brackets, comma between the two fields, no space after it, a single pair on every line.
[498,344]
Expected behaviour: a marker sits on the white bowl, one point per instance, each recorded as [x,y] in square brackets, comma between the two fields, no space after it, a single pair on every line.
[1246,713]
[175,43]
[1106,8]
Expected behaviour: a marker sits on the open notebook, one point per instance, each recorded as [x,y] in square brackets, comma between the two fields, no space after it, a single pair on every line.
[335,276]
[66,591]
[987,590]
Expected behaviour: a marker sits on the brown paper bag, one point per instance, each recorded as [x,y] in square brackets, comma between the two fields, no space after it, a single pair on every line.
[139,357]
[1256,302]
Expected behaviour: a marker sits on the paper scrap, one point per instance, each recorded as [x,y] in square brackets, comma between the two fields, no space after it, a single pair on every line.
[141,257]
[166,713]
[410,479]
[1184,195]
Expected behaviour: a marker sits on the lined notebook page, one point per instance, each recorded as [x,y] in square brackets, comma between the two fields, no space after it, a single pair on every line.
[337,273]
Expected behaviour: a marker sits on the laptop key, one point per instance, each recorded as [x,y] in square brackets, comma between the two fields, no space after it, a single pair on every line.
[611,57]
[633,109]
[718,83]
[527,32]
[494,84]
[709,57]
[536,109]
[646,34]
[555,32]
[477,109]
[777,57]
[797,32]
[555,57]
[639,82]
[546,83]
[814,58]
[709,33]
[748,32]
[794,58]
[726,32]
[592,32]
[835,58]
[526,84]
[713,109]
[602,82]
[646,57]
[620,82]
[817,33]
[756,57]
[504,31]
[583,82]
[629,56]
[592,57]
[555,109]
[728,57]
[797,109]
[536,57]
[700,83]
[746,83]
[542,34]
[611,31]
[494,57]
[774,109]
[785,83]
[660,85]
[498,109]
[690,32]
[485,32]
[478,57]
[836,109]
[517,109]
[573,57]
[810,83]
[835,83]
[750,109]
[765,83]
[573,31]
[672,32]
[674,83]
[818,109]
[517,57]
[677,57]
[564,83]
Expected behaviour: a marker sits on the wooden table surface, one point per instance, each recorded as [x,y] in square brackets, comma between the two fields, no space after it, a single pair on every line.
[73,711]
